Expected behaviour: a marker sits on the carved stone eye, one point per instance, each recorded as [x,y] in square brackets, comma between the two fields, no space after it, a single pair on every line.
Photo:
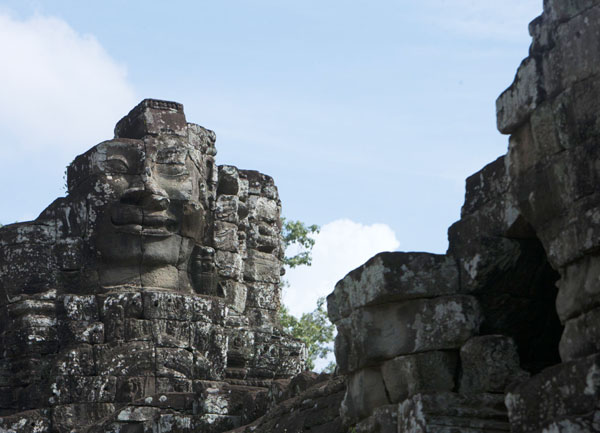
[172,170]
[116,166]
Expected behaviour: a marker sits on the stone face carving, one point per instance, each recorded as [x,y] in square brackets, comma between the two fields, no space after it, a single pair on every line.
[145,300]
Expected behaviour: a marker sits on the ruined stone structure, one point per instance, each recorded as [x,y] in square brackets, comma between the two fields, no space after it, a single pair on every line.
[502,333]
[146,300]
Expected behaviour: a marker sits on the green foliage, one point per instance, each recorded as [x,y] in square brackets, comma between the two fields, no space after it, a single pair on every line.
[297,234]
[314,329]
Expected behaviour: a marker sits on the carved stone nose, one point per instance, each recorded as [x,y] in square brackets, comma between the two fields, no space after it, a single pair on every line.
[155,202]
[148,195]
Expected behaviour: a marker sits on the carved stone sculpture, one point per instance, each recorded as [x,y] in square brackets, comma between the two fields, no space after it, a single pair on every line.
[145,300]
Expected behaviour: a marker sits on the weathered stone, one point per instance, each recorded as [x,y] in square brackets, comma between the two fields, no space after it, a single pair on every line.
[116,299]
[366,391]
[383,420]
[226,236]
[516,104]
[226,208]
[131,359]
[153,117]
[261,267]
[489,364]
[389,277]
[568,389]
[34,421]
[173,362]
[83,389]
[578,288]
[263,209]
[385,331]
[407,375]
[229,180]
[446,412]
[581,336]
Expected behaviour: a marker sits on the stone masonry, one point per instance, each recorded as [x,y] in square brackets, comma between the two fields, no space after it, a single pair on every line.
[146,300]
[502,333]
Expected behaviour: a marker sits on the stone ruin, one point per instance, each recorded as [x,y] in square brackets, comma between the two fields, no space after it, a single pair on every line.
[146,300]
[501,333]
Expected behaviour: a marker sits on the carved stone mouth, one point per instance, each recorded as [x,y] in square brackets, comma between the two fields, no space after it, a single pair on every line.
[135,220]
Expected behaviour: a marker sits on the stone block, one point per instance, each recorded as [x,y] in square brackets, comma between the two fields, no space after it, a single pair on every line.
[173,384]
[489,364]
[262,267]
[263,237]
[83,389]
[408,375]
[389,277]
[259,183]
[81,332]
[172,333]
[515,104]
[577,288]
[380,332]
[136,358]
[78,308]
[365,392]
[229,180]
[263,209]
[263,295]
[174,362]
[77,361]
[175,306]
[138,330]
[450,412]
[32,421]
[226,209]
[69,417]
[229,265]
[568,389]
[489,183]
[235,293]
[134,388]
[225,236]
[581,336]
[562,10]
[577,41]
[115,306]
[153,117]
[30,340]
[383,420]
[579,423]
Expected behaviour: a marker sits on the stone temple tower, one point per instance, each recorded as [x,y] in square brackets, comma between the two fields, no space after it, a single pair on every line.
[145,300]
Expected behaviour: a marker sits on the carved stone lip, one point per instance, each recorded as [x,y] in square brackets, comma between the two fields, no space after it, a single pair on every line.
[138,221]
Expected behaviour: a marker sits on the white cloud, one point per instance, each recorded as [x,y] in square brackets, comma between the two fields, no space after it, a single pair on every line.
[341,246]
[55,82]
[61,94]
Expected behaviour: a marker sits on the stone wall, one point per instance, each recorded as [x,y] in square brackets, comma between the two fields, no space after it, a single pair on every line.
[146,300]
[502,332]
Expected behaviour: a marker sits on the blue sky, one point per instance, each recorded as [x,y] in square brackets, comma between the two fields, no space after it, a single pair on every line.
[369,115]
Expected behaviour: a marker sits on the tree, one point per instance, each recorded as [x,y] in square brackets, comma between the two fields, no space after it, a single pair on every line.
[313,328]
[297,234]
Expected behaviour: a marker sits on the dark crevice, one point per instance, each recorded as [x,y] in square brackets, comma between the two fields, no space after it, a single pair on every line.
[520,303]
